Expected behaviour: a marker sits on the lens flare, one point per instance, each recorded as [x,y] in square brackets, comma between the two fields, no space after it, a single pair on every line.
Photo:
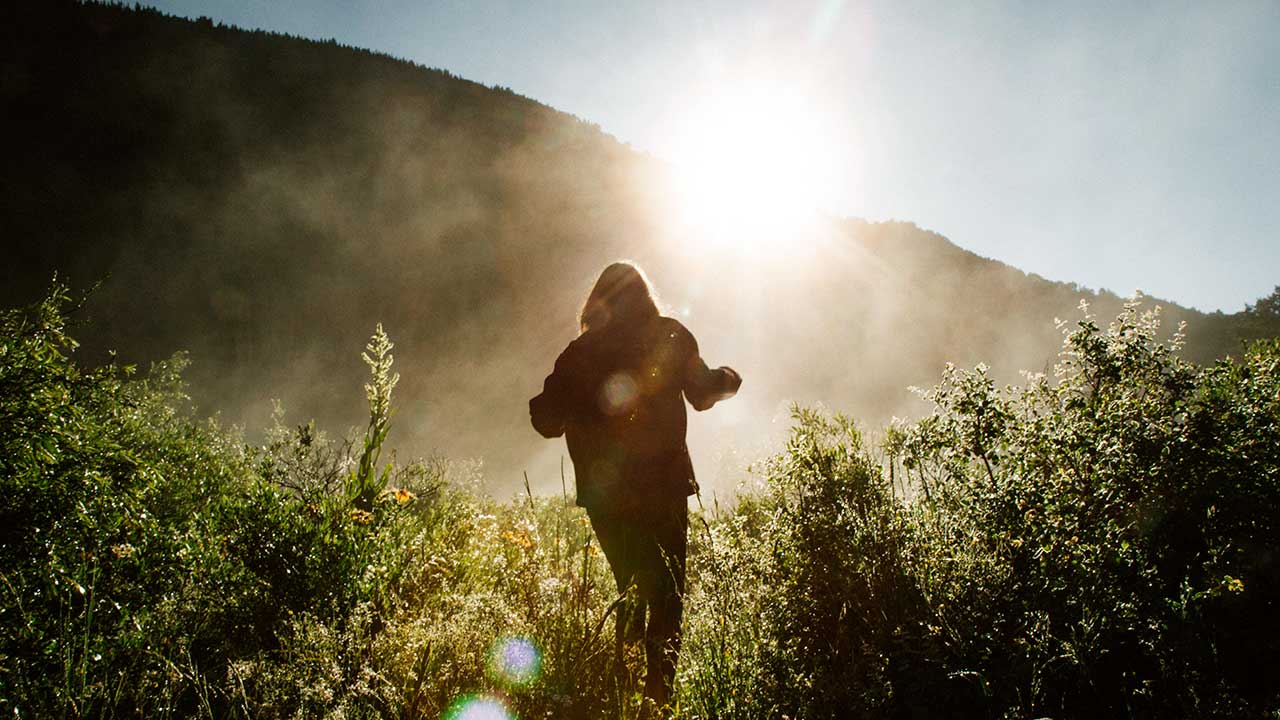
[618,394]
[477,707]
[515,661]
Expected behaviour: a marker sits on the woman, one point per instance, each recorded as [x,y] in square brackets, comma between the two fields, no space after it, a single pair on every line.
[615,395]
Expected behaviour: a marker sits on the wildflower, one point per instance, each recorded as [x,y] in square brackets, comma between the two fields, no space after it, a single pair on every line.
[123,550]
[362,516]
[404,497]
[520,539]
[1235,585]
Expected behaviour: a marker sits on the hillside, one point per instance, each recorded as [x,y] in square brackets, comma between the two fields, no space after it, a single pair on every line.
[262,201]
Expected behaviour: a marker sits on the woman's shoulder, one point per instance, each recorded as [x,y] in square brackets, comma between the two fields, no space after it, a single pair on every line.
[588,347]
[671,324]
[672,330]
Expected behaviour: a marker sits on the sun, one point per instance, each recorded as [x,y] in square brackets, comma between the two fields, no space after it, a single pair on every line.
[753,163]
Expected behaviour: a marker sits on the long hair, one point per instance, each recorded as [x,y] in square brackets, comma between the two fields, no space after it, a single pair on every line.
[621,295]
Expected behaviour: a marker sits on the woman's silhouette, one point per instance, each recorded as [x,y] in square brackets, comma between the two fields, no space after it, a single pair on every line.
[615,395]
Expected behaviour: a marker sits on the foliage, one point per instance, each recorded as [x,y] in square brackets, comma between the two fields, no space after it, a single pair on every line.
[1267,307]
[803,601]
[1099,542]
[156,565]
[1122,518]
[146,553]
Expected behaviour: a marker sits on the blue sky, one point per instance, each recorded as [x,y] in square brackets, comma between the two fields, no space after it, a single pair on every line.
[1120,146]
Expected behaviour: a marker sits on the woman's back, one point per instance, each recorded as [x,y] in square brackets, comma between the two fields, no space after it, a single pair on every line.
[616,395]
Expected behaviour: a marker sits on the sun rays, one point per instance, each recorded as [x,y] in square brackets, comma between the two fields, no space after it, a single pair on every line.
[753,163]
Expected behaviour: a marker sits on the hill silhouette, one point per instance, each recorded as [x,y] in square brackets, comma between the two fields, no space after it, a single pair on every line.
[262,200]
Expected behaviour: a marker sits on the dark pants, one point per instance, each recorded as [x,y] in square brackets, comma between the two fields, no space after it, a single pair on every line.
[647,547]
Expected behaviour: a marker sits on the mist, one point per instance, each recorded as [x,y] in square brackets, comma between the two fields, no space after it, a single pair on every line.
[261,202]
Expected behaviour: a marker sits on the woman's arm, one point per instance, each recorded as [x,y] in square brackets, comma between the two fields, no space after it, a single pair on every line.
[549,410]
[703,386]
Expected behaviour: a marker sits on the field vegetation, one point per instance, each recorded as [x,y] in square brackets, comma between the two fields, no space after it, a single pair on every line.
[1100,541]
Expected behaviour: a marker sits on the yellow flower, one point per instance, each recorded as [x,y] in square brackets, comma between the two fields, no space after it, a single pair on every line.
[404,497]
[361,516]
[521,538]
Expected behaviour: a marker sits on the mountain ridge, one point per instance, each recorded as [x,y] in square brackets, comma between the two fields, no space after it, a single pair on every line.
[263,200]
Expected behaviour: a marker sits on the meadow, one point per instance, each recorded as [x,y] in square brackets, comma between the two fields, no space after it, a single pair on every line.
[1099,541]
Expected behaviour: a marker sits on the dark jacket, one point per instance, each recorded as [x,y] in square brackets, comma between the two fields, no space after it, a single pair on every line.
[615,395]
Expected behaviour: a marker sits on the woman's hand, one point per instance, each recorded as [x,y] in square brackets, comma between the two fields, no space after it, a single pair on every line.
[732,381]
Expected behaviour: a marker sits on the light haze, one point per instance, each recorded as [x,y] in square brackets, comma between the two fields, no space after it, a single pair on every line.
[1121,146]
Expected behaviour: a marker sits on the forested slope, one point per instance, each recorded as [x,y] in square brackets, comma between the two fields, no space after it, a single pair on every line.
[260,200]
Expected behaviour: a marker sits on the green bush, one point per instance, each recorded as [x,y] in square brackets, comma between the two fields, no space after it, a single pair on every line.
[145,553]
[1126,513]
[158,566]
[1097,543]
[805,600]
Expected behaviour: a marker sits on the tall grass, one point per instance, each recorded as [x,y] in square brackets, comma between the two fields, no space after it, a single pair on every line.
[1098,542]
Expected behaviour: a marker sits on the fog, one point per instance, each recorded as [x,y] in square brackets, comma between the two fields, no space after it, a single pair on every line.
[263,202]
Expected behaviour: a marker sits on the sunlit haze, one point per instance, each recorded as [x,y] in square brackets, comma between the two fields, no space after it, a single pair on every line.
[1117,145]
[498,360]
[754,162]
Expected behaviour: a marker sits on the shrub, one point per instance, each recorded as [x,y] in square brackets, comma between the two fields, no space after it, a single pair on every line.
[146,553]
[1098,543]
[1102,542]
[156,565]
[1121,518]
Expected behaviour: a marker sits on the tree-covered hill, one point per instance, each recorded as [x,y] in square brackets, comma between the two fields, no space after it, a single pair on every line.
[259,200]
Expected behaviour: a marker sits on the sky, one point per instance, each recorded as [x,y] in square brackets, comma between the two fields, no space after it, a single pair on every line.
[1122,146]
